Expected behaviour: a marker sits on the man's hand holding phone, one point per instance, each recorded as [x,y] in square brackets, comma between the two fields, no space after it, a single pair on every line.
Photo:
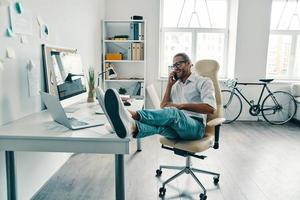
[172,78]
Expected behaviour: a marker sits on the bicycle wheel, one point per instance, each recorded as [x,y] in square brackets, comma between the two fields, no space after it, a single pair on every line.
[279,107]
[232,105]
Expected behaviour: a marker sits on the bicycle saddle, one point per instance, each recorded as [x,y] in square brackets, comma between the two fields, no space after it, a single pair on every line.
[266,80]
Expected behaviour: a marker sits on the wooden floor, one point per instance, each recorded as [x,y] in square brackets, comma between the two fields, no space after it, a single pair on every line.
[257,161]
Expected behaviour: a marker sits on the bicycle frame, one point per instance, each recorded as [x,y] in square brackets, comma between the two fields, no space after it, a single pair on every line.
[267,104]
[260,96]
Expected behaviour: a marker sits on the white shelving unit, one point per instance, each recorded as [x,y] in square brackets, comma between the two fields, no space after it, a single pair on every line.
[131,69]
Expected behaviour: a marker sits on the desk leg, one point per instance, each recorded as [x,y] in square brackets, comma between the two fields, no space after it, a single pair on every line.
[11,175]
[138,145]
[119,177]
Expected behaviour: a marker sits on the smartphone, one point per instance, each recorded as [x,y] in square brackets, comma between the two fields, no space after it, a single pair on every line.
[175,78]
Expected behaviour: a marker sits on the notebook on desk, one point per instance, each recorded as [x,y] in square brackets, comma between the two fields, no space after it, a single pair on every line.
[59,115]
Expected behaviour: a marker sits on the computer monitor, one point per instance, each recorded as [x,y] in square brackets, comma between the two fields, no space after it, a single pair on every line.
[64,75]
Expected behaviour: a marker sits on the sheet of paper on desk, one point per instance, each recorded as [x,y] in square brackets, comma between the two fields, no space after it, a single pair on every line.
[34,83]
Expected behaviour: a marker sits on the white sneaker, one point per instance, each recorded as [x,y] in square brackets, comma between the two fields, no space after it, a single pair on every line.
[119,116]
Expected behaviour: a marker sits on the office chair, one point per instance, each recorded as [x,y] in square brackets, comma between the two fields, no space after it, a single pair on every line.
[190,148]
[153,96]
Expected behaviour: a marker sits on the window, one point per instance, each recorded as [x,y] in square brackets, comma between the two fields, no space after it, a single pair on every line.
[284,41]
[196,27]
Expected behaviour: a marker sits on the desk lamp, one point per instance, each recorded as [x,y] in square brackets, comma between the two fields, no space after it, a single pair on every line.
[111,73]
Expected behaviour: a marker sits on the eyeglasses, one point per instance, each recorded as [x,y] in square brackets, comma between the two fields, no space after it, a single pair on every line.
[177,64]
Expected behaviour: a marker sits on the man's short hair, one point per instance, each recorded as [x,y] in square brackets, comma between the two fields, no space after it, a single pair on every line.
[184,56]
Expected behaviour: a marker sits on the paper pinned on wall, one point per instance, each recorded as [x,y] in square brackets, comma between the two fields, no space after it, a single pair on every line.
[33,73]
[10,53]
[40,20]
[19,7]
[44,30]
[21,23]
[9,33]
[1,65]
[23,39]
[5,2]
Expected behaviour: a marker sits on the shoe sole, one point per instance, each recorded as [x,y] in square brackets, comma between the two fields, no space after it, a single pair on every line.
[112,108]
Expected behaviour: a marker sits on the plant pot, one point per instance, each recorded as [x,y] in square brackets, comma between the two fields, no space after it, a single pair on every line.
[91,96]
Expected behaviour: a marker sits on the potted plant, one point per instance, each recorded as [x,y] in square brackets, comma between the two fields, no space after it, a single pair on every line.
[91,82]
[122,90]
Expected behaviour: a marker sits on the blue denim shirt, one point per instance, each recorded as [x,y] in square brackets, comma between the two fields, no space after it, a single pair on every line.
[196,89]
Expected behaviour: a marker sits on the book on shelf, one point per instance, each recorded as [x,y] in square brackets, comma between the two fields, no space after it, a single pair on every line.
[121,37]
[137,89]
[136,31]
[141,51]
[142,89]
[129,52]
[137,51]
[140,31]
[133,53]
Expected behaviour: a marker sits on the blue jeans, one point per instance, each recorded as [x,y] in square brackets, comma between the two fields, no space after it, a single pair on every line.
[169,122]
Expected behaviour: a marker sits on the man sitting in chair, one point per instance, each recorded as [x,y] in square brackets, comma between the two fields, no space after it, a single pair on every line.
[187,101]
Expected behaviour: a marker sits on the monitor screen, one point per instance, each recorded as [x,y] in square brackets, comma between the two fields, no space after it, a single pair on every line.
[64,72]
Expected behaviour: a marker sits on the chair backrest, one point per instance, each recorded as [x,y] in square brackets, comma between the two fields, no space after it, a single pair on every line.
[153,96]
[210,68]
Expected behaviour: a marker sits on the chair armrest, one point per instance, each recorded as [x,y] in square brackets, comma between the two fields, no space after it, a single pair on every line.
[215,122]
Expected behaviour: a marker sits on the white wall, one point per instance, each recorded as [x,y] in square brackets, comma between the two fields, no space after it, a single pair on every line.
[253,27]
[72,23]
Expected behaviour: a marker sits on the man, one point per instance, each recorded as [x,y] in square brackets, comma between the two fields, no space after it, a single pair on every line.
[187,100]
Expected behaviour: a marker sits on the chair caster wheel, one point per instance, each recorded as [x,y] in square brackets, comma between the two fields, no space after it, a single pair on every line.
[158,173]
[162,192]
[203,196]
[216,180]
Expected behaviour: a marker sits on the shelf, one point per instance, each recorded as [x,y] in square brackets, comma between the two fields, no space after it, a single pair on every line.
[124,61]
[124,80]
[122,21]
[131,73]
[122,41]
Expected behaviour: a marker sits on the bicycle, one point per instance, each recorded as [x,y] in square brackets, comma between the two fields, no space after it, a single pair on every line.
[277,107]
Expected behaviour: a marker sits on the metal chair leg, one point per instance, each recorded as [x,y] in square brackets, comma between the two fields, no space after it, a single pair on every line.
[197,180]
[204,172]
[189,170]
[173,177]
[171,167]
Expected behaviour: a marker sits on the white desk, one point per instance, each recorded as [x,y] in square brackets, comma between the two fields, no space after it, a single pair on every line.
[38,132]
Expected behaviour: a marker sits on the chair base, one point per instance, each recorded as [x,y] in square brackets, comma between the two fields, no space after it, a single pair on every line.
[188,170]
